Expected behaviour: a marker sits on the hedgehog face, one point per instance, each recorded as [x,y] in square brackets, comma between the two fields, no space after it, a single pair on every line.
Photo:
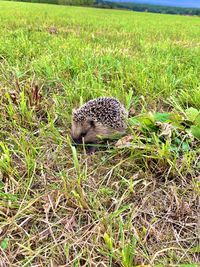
[83,131]
[89,131]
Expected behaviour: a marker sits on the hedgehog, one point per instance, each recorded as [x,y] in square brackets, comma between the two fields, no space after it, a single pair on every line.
[102,117]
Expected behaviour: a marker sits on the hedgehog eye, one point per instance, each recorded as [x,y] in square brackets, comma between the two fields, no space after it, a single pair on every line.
[92,124]
[83,134]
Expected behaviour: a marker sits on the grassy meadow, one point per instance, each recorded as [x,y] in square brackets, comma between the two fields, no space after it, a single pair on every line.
[131,203]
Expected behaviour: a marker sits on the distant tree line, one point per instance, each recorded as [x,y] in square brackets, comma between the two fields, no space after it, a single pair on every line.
[149,8]
[123,5]
[62,2]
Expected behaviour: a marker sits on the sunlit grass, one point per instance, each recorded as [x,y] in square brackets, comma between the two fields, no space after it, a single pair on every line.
[126,205]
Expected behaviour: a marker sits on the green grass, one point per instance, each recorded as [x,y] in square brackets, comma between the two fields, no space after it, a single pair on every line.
[124,206]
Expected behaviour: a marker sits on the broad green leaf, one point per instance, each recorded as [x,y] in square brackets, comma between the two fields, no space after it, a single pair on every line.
[162,117]
[133,121]
[147,121]
[185,147]
[192,114]
[196,131]
[177,140]
[4,243]
[173,148]
[197,120]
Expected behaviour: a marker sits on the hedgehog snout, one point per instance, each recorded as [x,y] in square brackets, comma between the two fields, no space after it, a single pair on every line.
[77,138]
[85,137]
[77,141]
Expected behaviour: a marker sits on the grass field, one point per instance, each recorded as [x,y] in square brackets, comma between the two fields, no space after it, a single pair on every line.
[126,205]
